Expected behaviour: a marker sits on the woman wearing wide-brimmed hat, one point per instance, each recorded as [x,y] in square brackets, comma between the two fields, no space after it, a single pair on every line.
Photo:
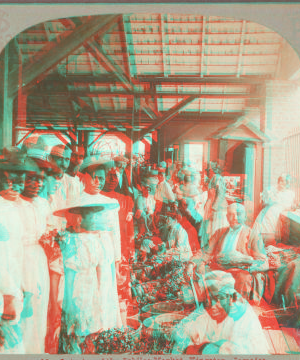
[94,175]
[90,301]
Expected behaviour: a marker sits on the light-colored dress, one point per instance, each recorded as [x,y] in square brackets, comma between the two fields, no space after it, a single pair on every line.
[268,220]
[214,210]
[109,221]
[11,270]
[90,300]
[164,192]
[35,276]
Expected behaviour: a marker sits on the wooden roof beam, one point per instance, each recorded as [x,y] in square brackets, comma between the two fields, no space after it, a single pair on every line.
[169,115]
[99,53]
[38,69]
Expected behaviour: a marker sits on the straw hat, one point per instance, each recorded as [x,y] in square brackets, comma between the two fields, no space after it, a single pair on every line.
[121,158]
[85,202]
[41,158]
[94,161]
[17,161]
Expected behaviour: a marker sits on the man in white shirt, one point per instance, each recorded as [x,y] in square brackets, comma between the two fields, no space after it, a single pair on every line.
[225,324]
[238,250]
[61,188]
[164,193]
[76,161]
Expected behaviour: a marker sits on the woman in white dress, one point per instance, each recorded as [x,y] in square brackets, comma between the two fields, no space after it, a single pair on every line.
[90,301]
[215,208]
[276,200]
[35,212]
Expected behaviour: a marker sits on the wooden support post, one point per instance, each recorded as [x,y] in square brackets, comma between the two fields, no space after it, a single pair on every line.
[6,102]
[223,145]
[258,177]
[250,176]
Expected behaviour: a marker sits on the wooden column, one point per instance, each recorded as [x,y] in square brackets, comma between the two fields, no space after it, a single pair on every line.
[258,179]
[6,101]
[223,145]
[250,178]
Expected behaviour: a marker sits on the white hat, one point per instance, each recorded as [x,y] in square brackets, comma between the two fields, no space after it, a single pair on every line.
[85,201]
[94,161]
[219,281]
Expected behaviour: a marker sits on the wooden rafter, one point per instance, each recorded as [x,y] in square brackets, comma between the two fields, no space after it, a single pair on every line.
[165,44]
[202,47]
[38,69]
[100,54]
[126,46]
[241,49]
[169,115]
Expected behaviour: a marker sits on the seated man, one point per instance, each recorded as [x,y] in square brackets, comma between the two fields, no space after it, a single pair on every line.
[237,250]
[226,324]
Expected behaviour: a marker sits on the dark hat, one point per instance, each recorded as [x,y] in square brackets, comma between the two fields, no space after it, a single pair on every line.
[16,160]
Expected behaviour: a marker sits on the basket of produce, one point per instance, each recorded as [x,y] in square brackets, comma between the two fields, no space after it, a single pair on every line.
[160,308]
[150,327]
[166,322]
[119,341]
[168,307]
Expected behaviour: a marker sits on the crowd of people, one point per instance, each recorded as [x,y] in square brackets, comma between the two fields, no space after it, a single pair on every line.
[72,224]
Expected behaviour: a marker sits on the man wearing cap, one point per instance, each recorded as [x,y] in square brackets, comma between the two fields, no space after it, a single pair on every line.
[124,185]
[145,203]
[239,251]
[12,175]
[61,188]
[224,324]
[163,194]
[76,161]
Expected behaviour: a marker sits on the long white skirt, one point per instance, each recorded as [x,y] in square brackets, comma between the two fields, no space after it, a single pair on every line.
[36,284]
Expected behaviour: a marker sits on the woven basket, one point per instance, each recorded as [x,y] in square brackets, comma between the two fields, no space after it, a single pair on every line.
[165,323]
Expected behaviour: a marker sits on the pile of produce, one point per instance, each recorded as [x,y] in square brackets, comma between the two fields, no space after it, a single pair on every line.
[115,341]
[163,282]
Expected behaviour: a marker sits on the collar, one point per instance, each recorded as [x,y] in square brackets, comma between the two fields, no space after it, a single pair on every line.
[238,228]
